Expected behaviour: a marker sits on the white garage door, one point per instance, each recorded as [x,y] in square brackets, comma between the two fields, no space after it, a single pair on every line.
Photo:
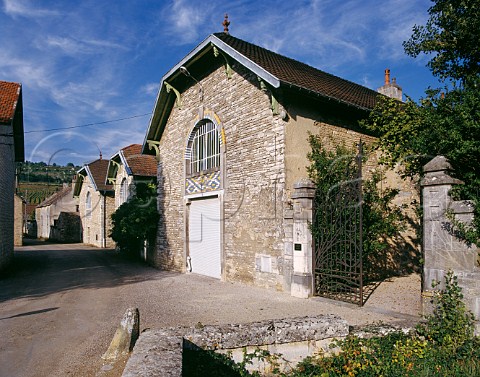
[204,237]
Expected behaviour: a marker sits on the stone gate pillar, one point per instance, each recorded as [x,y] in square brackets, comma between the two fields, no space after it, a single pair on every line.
[443,250]
[302,277]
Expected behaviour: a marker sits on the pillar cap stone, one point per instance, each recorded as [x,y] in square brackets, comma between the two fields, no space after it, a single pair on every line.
[304,183]
[303,188]
[436,173]
[439,163]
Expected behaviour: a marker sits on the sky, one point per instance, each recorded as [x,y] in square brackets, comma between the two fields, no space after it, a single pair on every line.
[90,70]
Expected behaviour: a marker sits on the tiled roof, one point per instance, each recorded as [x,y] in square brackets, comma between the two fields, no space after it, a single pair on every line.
[301,75]
[9,93]
[98,169]
[143,165]
[140,164]
[132,150]
[56,196]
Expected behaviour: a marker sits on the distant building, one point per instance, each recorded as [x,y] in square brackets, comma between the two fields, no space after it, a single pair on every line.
[127,168]
[11,151]
[96,203]
[48,211]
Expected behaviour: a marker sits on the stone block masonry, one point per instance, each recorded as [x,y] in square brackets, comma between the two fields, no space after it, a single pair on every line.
[160,353]
[443,249]
[7,191]
[252,174]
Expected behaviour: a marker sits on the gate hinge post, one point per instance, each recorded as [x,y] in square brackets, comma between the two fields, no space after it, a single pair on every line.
[302,278]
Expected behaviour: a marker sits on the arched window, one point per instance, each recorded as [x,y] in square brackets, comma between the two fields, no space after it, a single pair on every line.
[88,205]
[123,191]
[203,148]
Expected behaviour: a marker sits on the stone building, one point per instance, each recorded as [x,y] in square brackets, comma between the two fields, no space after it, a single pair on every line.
[127,168]
[11,151]
[67,228]
[48,211]
[230,131]
[19,220]
[96,203]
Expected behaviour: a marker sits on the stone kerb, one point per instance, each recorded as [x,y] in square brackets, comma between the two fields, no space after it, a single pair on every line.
[443,249]
[160,353]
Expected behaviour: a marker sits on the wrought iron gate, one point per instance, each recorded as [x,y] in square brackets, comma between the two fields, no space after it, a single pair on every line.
[338,239]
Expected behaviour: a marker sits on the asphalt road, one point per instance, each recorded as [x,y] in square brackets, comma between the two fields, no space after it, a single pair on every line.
[61,305]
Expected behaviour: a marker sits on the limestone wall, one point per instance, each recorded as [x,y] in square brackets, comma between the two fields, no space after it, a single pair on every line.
[252,172]
[7,190]
[47,215]
[18,222]
[121,175]
[93,221]
[160,352]
[444,249]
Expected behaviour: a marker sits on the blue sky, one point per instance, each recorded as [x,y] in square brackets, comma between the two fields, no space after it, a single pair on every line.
[93,61]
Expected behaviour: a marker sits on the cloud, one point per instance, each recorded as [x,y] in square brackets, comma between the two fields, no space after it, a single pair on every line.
[72,46]
[23,8]
[184,20]
[150,89]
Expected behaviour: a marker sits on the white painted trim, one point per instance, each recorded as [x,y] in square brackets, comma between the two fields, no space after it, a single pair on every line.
[187,198]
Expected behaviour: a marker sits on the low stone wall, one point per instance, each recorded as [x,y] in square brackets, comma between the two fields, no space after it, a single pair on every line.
[160,353]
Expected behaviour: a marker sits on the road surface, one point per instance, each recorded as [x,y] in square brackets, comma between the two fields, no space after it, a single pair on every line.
[60,307]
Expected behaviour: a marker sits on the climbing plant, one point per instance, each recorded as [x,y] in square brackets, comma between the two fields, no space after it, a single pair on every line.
[382,220]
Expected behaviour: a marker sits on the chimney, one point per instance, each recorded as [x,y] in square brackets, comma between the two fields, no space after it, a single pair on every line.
[100,155]
[391,89]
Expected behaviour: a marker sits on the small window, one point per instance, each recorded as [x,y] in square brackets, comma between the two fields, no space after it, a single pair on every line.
[204,148]
[123,191]
[88,205]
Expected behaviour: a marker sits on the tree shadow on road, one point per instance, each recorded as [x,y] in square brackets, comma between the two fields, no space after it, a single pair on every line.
[42,269]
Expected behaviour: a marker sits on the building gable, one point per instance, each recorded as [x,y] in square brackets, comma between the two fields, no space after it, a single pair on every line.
[11,114]
[274,72]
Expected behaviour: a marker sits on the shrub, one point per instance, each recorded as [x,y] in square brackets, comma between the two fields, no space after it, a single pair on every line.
[136,220]
[451,324]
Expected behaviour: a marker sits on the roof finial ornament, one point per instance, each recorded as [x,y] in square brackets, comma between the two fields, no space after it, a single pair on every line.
[225,24]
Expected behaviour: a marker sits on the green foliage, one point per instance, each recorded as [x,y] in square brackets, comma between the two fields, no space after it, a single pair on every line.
[136,220]
[444,346]
[41,172]
[451,324]
[447,121]
[451,35]
[398,127]
[447,125]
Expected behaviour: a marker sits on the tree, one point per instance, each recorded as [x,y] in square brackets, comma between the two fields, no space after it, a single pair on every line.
[452,34]
[447,121]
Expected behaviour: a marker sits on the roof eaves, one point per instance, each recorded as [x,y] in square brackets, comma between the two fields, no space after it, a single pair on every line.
[175,71]
[124,161]
[78,183]
[330,98]
[90,175]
